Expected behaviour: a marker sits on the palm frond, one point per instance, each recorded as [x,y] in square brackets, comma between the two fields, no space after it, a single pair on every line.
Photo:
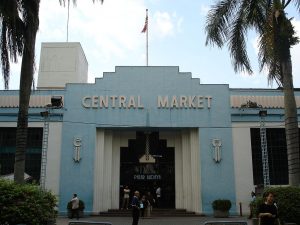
[297,4]
[217,22]
[256,14]
[12,28]
[277,38]
[31,12]
[237,47]
[63,2]
[4,55]
[237,42]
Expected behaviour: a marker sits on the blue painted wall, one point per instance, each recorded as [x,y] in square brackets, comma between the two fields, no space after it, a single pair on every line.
[217,179]
[148,82]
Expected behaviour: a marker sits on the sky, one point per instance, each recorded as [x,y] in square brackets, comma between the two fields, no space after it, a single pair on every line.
[110,35]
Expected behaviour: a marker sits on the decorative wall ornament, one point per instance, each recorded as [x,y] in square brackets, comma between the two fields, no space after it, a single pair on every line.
[250,104]
[147,158]
[217,143]
[77,148]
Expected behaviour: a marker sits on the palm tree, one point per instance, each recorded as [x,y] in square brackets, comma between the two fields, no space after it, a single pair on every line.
[19,25]
[20,22]
[228,22]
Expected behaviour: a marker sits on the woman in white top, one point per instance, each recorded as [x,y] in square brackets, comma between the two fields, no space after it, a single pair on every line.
[126,193]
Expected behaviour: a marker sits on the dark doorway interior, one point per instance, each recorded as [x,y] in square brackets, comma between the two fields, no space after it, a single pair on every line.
[277,156]
[33,152]
[146,177]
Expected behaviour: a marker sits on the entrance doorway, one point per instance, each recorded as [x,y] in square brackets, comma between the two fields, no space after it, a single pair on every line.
[147,177]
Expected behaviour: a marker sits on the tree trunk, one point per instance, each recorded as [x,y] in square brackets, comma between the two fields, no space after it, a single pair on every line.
[26,79]
[291,124]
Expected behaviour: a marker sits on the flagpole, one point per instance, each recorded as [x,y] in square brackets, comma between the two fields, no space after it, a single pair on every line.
[145,30]
[147,37]
[68,21]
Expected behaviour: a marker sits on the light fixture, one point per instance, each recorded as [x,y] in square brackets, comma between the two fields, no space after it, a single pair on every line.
[56,101]
[44,114]
[262,113]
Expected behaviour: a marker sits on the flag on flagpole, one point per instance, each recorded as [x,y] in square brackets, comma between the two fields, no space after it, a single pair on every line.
[145,28]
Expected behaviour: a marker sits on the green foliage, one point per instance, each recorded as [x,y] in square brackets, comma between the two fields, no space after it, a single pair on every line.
[255,206]
[287,200]
[81,205]
[25,204]
[221,204]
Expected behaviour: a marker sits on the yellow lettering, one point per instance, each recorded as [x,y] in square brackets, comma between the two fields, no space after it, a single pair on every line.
[131,102]
[86,101]
[140,106]
[103,101]
[162,102]
[122,101]
[174,102]
[113,101]
[200,102]
[208,101]
[183,101]
[95,101]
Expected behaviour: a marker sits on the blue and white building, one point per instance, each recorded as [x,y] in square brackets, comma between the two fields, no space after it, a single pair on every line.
[144,126]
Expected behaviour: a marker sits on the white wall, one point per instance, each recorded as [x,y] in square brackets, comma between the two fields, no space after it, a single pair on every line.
[14,124]
[53,154]
[242,165]
[243,168]
[53,157]
[61,63]
[107,168]
[187,168]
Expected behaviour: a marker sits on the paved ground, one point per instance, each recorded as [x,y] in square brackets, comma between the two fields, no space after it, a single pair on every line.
[154,221]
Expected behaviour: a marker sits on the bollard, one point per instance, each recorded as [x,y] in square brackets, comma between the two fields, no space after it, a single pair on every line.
[148,211]
[241,210]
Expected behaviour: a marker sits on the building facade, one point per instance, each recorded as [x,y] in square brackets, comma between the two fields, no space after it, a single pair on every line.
[145,127]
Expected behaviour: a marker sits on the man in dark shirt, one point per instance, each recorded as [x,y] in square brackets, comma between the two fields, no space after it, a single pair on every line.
[267,211]
[135,208]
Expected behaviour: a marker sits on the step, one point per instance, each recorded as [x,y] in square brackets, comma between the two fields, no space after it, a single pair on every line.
[154,213]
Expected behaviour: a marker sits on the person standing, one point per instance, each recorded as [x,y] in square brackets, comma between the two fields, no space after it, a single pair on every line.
[253,197]
[267,211]
[151,202]
[135,208]
[158,196]
[75,207]
[144,205]
[126,192]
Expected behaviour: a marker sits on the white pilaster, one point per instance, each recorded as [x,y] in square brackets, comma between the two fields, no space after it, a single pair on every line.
[116,170]
[53,157]
[107,194]
[174,141]
[244,183]
[178,172]
[195,171]
[98,172]
[107,168]
[186,169]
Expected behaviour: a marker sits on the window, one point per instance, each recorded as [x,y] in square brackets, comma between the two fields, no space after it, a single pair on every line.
[33,151]
[277,156]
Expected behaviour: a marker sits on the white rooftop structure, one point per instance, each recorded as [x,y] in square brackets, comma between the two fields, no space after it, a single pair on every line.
[61,63]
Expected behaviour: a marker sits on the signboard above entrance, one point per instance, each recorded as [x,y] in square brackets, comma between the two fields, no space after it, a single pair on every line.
[135,102]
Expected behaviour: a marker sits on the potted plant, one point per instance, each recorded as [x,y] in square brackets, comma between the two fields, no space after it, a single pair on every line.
[81,209]
[221,207]
[254,205]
